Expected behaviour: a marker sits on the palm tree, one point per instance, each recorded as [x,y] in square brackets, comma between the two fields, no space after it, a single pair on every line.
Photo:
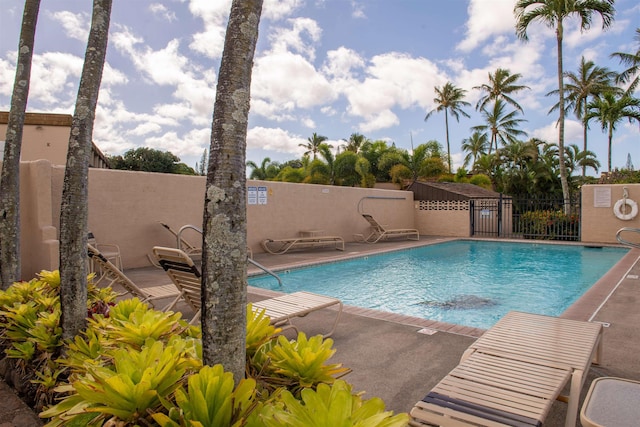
[475,146]
[631,74]
[259,172]
[450,99]
[500,125]
[313,145]
[355,142]
[552,13]
[583,159]
[10,265]
[74,212]
[590,81]
[501,84]
[224,252]
[610,109]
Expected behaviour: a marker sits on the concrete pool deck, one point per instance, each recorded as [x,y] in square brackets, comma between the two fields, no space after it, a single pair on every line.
[400,358]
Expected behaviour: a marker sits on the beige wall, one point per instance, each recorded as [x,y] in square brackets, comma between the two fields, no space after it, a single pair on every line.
[44,141]
[599,223]
[125,208]
[443,218]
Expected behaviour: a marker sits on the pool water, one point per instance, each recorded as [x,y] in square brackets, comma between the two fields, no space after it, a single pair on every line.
[470,283]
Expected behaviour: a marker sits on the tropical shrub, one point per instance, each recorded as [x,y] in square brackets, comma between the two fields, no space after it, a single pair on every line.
[135,366]
[550,225]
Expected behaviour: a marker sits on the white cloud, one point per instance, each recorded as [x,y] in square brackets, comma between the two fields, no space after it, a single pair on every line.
[76,25]
[214,15]
[357,10]
[301,37]
[279,9]
[485,20]
[162,11]
[275,139]
[289,81]
[342,63]
[395,80]
[549,133]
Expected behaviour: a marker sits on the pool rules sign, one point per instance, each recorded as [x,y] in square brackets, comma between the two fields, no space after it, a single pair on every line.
[257,195]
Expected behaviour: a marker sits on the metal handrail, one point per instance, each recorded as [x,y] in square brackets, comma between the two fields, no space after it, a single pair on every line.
[266,270]
[626,242]
[179,235]
[260,266]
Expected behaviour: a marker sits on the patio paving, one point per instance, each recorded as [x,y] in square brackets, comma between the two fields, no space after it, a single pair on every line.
[400,358]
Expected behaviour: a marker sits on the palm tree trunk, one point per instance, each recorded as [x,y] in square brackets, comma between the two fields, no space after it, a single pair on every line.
[584,135]
[224,260]
[446,125]
[563,167]
[10,179]
[610,145]
[74,209]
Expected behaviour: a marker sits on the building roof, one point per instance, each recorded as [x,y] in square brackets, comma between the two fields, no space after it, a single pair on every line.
[449,191]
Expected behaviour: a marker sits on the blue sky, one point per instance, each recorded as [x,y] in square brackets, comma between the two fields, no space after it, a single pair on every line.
[333,67]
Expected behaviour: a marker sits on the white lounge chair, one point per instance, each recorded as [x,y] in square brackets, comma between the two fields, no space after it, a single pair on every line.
[281,246]
[114,276]
[378,232]
[186,276]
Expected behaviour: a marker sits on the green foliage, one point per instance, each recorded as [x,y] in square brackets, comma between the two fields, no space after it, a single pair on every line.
[481,180]
[136,366]
[329,406]
[210,400]
[303,361]
[399,173]
[550,225]
[150,160]
[621,176]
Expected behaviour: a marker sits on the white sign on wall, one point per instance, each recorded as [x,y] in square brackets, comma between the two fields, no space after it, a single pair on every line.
[262,195]
[602,197]
[252,195]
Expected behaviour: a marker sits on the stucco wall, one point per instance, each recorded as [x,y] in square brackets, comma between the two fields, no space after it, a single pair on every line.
[43,142]
[125,208]
[599,223]
[443,218]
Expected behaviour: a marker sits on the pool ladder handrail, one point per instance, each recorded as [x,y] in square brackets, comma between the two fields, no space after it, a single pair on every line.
[626,242]
[257,264]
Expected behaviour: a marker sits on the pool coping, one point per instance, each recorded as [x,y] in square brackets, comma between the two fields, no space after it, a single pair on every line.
[585,308]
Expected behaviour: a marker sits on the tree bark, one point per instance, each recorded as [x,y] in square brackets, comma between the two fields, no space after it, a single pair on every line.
[74,209]
[224,261]
[562,165]
[10,265]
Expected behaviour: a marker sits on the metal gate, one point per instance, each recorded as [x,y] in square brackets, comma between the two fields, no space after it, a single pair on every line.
[525,218]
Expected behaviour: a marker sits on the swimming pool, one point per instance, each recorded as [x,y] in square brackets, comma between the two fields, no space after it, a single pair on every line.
[470,283]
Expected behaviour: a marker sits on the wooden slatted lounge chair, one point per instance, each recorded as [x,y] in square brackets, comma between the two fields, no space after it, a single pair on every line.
[522,362]
[114,276]
[487,390]
[378,232]
[298,304]
[186,276]
[281,246]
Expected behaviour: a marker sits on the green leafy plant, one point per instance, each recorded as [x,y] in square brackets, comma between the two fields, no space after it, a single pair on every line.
[329,406]
[127,390]
[210,400]
[303,360]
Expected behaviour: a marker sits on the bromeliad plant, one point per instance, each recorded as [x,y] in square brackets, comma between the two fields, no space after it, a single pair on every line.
[135,366]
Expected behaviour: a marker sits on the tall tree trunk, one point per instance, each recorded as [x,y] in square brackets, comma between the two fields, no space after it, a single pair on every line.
[224,260]
[446,123]
[585,125]
[74,210]
[563,166]
[10,178]
[610,134]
